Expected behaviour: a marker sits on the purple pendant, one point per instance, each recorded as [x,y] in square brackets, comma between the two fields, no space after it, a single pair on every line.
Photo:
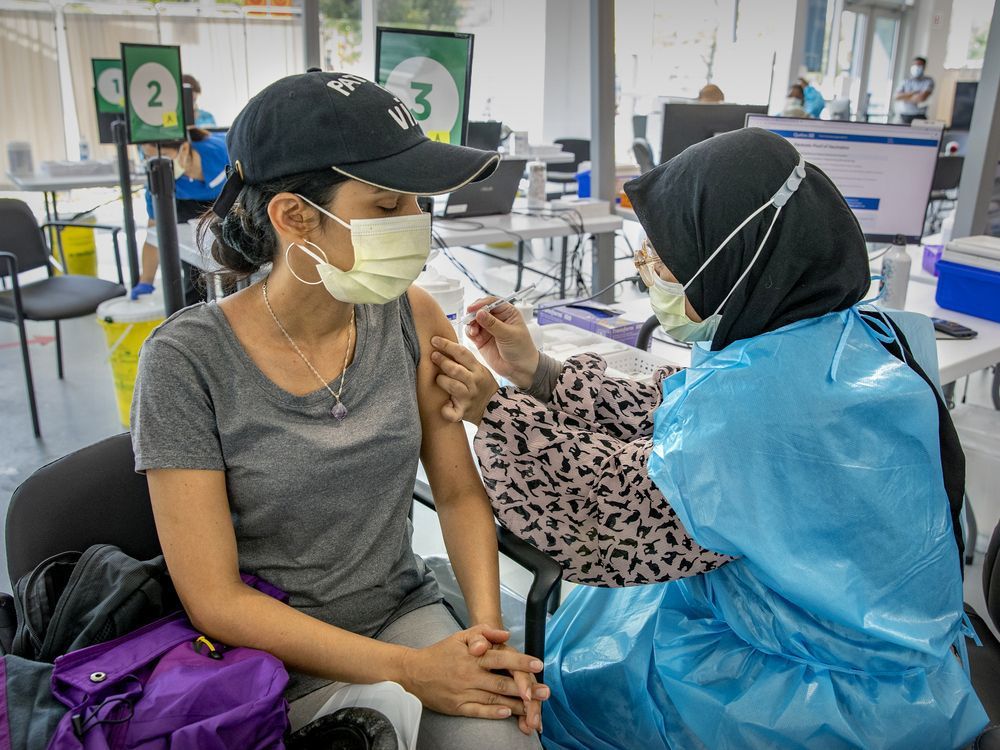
[339,411]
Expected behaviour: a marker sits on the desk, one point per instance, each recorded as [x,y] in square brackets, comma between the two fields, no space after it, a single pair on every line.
[463,233]
[564,157]
[42,183]
[521,228]
[956,357]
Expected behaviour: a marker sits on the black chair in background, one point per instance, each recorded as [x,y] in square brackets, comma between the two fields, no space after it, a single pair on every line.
[565,174]
[23,248]
[93,496]
[639,123]
[643,154]
[984,661]
[947,175]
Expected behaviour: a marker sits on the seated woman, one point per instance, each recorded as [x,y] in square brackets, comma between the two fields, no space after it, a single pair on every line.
[791,498]
[280,429]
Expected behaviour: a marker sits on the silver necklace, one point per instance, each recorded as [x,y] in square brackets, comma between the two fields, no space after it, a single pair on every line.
[339,411]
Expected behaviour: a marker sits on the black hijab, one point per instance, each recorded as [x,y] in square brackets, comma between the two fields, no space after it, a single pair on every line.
[814,262]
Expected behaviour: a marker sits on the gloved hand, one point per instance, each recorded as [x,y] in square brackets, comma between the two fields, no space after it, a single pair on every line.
[141,288]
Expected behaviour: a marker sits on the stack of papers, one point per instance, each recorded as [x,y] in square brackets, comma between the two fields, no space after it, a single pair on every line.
[980,251]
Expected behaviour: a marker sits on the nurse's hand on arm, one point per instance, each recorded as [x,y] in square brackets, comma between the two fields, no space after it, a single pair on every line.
[456,676]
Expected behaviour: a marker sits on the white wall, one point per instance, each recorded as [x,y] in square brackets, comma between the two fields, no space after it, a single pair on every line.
[509,64]
[567,70]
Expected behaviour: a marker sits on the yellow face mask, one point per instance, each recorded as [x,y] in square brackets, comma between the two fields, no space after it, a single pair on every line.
[667,300]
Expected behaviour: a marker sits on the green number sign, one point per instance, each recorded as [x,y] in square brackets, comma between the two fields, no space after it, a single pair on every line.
[109,85]
[154,107]
[430,71]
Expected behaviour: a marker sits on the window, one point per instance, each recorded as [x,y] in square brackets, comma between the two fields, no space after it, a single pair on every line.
[967,34]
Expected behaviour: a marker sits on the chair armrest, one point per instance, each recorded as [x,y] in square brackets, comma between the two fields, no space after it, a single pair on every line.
[645,336]
[82,225]
[546,576]
[8,622]
[10,261]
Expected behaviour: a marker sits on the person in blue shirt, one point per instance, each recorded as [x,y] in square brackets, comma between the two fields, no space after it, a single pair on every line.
[813,101]
[199,173]
[202,118]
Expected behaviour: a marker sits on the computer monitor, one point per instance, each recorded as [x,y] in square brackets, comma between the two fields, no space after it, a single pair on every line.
[884,171]
[688,123]
[484,135]
[965,100]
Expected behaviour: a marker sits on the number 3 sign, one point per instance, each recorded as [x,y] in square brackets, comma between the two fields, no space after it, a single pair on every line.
[153,105]
[430,71]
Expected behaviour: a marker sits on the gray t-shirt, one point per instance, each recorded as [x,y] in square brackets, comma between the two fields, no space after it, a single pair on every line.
[320,507]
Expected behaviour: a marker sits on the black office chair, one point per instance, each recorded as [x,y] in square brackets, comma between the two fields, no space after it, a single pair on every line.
[947,175]
[643,154]
[565,174]
[93,496]
[984,661]
[23,248]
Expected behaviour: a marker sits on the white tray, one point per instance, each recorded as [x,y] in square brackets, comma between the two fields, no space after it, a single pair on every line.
[563,341]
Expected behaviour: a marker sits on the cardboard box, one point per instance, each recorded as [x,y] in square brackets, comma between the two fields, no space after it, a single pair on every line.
[594,317]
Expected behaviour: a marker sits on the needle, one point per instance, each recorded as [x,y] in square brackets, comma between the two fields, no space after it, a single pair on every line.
[506,300]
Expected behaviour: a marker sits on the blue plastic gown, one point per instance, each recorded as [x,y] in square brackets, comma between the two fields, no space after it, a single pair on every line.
[812,455]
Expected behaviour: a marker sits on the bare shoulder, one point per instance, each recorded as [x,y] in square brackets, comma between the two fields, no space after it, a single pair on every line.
[428,317]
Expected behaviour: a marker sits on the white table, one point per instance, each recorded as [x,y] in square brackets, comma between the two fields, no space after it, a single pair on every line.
[466,233]
[521,227]
[564,157]
[49,185]
[956,357]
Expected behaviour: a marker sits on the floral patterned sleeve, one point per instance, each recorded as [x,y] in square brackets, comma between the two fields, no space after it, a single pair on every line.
[572,481]
[620,408]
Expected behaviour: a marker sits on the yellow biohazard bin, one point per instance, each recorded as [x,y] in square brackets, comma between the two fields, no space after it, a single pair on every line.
[80,248]
[127,325]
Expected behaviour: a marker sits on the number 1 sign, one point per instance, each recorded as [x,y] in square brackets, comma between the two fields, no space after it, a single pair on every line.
[154,106]
[109,85]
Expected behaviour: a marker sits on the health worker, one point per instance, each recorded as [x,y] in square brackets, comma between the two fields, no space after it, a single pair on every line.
[788,503]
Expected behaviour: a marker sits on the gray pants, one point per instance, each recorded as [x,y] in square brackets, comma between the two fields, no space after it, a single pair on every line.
[424,627]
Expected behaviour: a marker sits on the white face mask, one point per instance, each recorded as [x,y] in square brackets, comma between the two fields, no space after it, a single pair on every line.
[178,168]
[388,256]
[793,102]
[667,299]
[916,71]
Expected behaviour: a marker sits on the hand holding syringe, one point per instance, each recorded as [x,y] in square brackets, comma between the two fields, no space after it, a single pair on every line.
[509,299]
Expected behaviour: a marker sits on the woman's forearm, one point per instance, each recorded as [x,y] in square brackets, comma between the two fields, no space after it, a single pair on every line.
[470,537]
[303,643]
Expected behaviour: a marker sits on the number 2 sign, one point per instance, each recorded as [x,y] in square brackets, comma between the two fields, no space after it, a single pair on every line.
[153,103]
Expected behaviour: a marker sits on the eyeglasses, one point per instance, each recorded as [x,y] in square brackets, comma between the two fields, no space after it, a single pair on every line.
[648,264]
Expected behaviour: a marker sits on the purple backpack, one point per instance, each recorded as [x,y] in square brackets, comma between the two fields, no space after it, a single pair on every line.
[155,685]
[166,686]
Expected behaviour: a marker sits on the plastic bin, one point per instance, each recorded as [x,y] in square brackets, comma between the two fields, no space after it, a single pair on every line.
[127,325]
[80,248]
[969,290]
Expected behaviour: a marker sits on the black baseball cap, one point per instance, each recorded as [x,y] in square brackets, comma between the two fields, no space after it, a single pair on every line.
[347,123]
